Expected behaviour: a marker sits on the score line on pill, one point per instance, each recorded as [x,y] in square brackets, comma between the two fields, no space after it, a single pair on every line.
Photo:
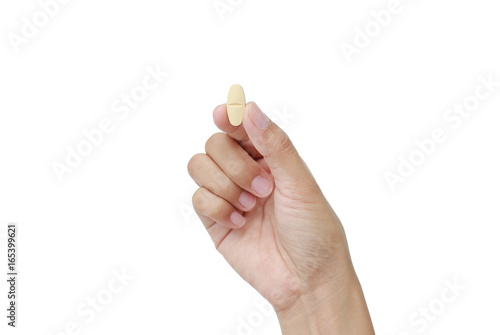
[236,104]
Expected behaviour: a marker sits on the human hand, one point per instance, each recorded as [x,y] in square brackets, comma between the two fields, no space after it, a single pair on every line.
[268,217]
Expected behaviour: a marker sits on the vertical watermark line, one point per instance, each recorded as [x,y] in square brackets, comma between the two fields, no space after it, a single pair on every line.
[12,274]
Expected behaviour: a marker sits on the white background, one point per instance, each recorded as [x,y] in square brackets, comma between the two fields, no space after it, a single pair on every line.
[127,204]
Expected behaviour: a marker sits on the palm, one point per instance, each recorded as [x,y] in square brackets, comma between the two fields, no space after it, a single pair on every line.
[266,252]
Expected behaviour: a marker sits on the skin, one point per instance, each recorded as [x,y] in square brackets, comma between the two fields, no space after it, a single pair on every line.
[284,239]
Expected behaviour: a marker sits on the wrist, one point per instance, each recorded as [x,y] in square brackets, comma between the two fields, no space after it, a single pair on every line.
[338,307]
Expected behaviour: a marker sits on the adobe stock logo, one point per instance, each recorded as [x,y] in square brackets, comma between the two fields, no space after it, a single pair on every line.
[256,319]
[453,118]
[431,312]
[88,310]
[363,37]
[122,107]
[225,6]
[30,28]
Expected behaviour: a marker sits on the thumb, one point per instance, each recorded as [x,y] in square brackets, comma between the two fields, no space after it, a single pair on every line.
[287,167]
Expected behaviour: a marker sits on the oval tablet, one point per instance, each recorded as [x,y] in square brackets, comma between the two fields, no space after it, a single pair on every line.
[236,105]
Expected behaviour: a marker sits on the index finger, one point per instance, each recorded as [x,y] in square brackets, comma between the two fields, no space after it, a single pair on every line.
[238,133]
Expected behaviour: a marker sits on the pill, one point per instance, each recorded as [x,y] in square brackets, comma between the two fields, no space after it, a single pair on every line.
[236,104]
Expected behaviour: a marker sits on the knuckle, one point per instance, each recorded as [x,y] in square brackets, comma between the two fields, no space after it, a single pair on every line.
[236,167]
[218,182]
[195,163]
[214,141]
[224,187]
[216,208]
[278,141]
[219,179]
[284,144]
[200,200]
[207,205]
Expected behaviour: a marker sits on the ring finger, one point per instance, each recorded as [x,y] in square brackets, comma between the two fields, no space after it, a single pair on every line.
[207,174]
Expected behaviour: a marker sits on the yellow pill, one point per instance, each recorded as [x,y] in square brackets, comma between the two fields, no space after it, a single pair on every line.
[236,105]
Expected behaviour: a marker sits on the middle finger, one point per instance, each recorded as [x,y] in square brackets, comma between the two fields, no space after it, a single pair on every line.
[238,165]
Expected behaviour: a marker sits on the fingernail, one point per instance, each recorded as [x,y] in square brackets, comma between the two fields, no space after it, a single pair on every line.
[262,186]
[259,119]
[247,200]
[237,219]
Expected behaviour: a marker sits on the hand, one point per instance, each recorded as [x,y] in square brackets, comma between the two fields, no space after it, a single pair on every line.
[268,217]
